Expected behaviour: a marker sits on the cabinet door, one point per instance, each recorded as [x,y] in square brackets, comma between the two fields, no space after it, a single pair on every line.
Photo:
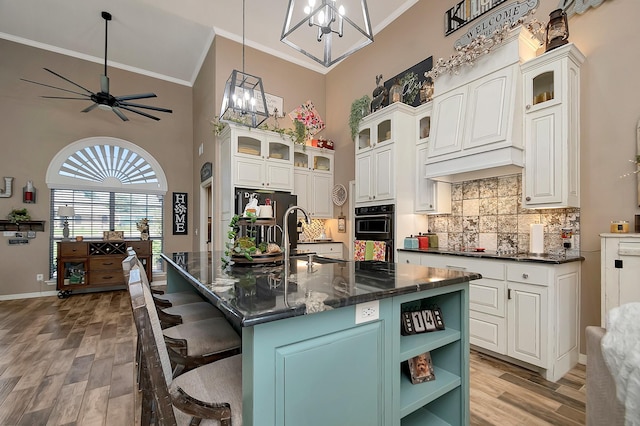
[425,188]
[301,188]
[527,323]
[248,172]
[322,206]
[384,173]
[489,108]
[279,176]
[543,157]
[364,181]
[448,122]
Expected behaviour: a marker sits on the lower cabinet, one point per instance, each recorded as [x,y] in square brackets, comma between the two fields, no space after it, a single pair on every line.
[525,311]
[87,265]
[333,250]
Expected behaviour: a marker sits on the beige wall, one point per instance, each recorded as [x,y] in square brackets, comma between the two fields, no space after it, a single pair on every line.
[33,130]
[607,35]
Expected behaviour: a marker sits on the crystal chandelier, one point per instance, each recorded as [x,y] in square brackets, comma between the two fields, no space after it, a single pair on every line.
[310,29]
[244,101]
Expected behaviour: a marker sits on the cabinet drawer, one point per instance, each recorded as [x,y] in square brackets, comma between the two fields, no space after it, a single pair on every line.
[72,249]
[103,263]
[485,267]
[528,274]
[106,277]
[488,331]
[142,248]
[487,295]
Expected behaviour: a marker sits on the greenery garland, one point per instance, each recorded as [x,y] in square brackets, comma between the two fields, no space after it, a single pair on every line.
[359,110]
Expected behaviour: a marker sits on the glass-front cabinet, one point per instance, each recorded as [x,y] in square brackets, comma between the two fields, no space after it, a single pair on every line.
[313,180]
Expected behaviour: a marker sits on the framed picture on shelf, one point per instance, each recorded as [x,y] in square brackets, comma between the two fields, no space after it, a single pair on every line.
[421,368]
[113,235]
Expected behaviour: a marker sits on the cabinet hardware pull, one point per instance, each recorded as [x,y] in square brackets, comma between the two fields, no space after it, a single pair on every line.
[108,277]
[509,294]
[107,263]
[525,276]
[528,198]
[528,107]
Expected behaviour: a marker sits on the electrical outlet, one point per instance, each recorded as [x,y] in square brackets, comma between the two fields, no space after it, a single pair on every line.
[39,277]
[368,311]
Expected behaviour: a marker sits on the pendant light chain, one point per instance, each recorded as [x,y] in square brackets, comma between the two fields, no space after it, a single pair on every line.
[243,1]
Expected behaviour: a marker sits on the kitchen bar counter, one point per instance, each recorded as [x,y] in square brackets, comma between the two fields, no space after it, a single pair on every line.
[254,295]
[325,348]
[487,254]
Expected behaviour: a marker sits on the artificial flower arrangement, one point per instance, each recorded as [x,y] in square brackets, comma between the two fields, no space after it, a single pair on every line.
[143,225]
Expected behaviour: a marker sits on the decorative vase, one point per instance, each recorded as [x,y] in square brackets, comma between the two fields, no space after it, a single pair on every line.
[144,235]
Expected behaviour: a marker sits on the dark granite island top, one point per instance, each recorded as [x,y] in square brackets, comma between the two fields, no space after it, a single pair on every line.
[256,294]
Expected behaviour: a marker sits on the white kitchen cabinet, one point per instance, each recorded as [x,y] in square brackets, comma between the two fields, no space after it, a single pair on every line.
[333,250]
[477,116]
[619,269]
[552,129]
[383,145]
[313,180]
[525,311]
[257,159]
[432,197]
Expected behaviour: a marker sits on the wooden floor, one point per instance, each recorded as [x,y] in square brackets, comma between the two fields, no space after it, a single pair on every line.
[70,362]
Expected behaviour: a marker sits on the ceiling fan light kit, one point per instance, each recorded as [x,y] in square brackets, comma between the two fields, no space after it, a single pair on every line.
[316,28]
[103,99]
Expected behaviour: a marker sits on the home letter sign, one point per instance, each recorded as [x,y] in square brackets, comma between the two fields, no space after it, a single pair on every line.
[180,213]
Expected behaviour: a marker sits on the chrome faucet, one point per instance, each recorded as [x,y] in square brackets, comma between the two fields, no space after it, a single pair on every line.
[286,243]
[285,235]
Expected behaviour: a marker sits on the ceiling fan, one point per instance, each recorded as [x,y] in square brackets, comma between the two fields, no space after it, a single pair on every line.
[103,99]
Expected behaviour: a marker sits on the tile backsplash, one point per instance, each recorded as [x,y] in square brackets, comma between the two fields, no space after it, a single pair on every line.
[488,213]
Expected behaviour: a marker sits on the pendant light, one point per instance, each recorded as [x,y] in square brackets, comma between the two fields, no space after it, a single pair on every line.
[244,101]
[311,28]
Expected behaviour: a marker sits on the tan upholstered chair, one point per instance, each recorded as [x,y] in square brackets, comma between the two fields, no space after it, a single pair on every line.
[213,391]
[195,343]
[603,407]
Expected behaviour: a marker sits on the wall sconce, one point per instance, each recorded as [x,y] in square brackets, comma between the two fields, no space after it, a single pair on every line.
[29,193]
[557,30]
[66,212]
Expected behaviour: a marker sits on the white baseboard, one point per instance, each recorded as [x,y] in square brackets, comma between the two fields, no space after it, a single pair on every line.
[582,359]
[28,295]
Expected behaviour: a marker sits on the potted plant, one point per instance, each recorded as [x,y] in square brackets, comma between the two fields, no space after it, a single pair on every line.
[359,110]
[19,215]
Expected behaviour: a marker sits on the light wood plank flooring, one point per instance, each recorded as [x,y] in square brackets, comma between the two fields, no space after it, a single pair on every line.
[71,362]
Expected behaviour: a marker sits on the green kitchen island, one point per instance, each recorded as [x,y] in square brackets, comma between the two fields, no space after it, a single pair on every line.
[324,347]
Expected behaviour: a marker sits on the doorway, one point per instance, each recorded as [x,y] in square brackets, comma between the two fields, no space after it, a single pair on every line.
[206,213]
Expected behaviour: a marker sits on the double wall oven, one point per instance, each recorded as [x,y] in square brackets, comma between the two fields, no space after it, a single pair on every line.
[376,223]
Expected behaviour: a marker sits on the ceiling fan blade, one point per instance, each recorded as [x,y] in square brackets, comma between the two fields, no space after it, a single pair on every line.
[139,96]
[90,107]
[64,97]
[140,112]
[129,104]
[120,114]
[66,79]
[54,87]
[104,84]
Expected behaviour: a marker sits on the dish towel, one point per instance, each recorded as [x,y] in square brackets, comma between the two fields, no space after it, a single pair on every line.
[359,249]
[379,251]
[368,251]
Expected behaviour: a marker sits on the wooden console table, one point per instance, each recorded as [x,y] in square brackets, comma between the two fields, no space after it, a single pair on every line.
[96,265]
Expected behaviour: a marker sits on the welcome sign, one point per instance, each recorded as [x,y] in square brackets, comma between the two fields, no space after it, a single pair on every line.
[466,11]
[507,14]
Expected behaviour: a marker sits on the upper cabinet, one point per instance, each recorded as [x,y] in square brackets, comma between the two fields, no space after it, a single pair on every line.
[313,180]
[384,141]
[258,159]
[476,124]
[552,129]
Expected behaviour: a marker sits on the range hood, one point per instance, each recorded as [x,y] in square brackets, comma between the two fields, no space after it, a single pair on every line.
[478,115]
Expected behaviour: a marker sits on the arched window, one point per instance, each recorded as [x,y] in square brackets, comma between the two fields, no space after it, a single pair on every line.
[111,184]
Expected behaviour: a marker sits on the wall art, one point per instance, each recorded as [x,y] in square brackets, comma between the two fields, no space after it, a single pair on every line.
[275,105]
[466,11]
[411,80]
[180,213]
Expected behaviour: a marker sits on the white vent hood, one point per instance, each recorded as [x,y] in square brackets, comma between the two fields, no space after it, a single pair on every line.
[477,115]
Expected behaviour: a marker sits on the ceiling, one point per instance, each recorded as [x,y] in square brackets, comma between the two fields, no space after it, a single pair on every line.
[166,39]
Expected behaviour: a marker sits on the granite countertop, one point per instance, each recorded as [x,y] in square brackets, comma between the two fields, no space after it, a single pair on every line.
[250,295]
[519,257]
